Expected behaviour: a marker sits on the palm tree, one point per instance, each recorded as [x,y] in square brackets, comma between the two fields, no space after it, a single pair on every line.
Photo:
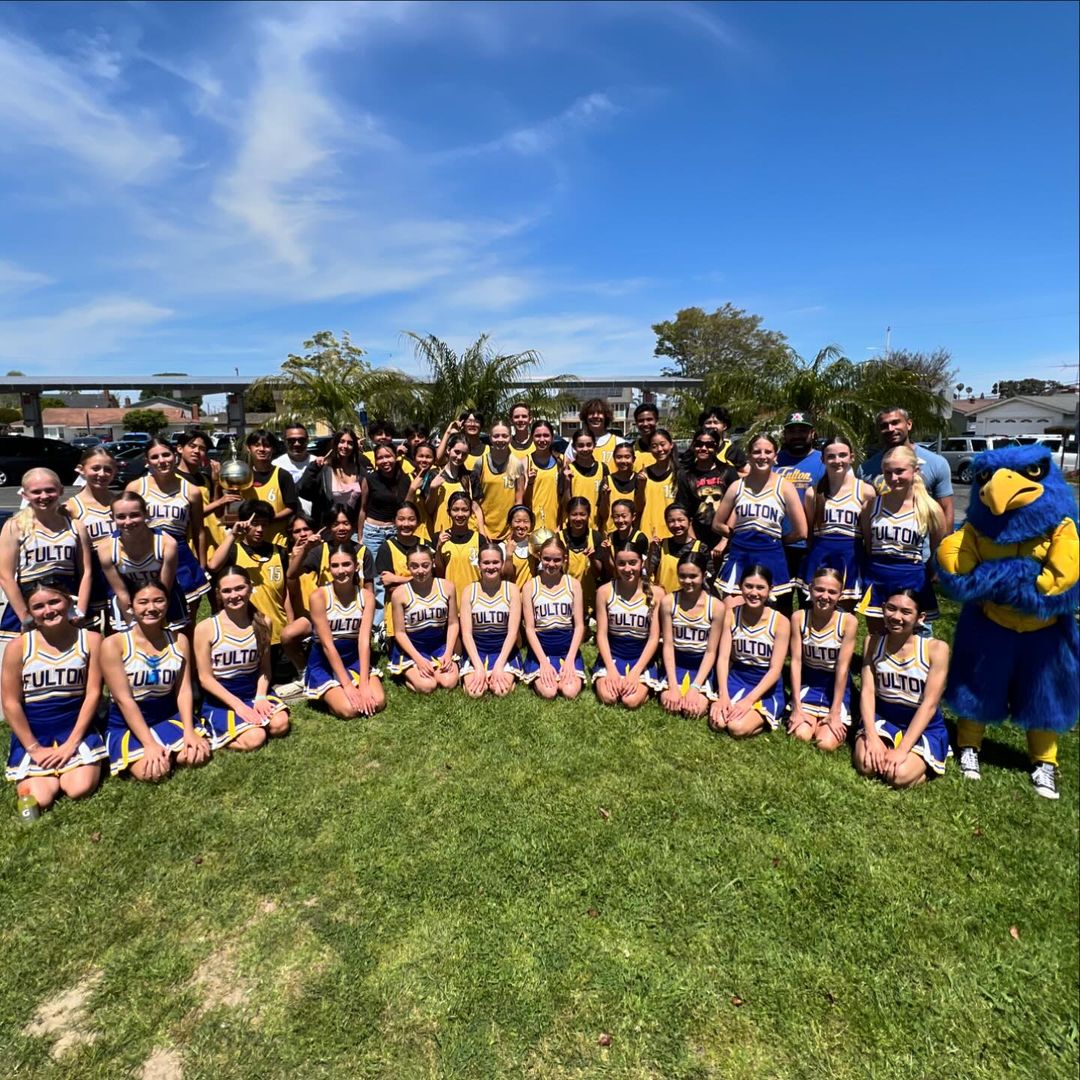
[331,382]
[843,397]
[482,379]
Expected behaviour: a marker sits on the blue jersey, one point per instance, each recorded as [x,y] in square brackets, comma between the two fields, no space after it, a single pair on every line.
[802,473]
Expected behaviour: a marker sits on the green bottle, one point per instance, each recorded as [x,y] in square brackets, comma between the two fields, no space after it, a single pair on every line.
[27,806]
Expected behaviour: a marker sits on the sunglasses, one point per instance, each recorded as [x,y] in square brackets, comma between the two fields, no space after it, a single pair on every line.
[298,442]
[704,446]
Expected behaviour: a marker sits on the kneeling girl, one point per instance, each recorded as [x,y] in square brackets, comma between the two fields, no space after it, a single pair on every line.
[339,670]
[425,627]
[753,647]
[148,672]
[903,736]
[52,686]
[627,633]
[232,656]
[490,619]
[822,645]
[691,621]
[553,613]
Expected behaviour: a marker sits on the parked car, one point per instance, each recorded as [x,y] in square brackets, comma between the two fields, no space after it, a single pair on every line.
[961,450]
[1061,446]
[20,453]
[84,442]
[130,465]
[134,438]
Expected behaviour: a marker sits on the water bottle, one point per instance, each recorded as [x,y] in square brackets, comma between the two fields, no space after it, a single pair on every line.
[27,805]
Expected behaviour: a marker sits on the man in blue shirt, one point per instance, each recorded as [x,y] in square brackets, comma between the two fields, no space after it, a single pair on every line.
[801,464]
[894,429]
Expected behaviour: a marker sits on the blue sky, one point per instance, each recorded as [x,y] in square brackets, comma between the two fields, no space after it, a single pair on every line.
[199,187]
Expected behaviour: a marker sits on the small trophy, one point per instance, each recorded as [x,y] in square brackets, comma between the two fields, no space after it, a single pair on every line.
[235,475]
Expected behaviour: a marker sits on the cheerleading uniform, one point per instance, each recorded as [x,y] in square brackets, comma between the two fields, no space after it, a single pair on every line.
[820,655]
[172,514]
[236,663]
[899,686]
[895,561]
[751,655]
[154,682]
[553,621]
[629,623]
[426,620]
[42,553]
[490,625]
[344,620]
[53,690]
[98,522]
[136,572]
[690,637]
[837,541]
[755,538]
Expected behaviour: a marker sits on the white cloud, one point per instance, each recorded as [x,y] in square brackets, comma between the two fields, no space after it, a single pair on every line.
[493,293]
[45,102]
[14,278]
[85,332]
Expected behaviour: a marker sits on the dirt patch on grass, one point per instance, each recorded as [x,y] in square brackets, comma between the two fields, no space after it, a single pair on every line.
[218,982]
[162,1065]
[65,1018]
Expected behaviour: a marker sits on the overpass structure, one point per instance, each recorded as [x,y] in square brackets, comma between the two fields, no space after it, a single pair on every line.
[31,387]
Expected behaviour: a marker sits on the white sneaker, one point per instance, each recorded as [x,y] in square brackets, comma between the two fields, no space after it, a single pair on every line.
[1044,778]
[290,691]
[969,763]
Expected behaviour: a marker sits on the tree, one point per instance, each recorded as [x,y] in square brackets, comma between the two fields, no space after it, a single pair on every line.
[482,379]
[1028,387]
[9,414]
[53,401]
[332,380]
[149,420]
[259,398]
[701,344]
[843,397]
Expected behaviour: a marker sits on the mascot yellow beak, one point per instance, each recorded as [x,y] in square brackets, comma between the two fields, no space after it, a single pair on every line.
[1008,490]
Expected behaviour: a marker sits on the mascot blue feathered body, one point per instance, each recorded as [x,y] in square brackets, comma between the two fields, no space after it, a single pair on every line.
[1015,565]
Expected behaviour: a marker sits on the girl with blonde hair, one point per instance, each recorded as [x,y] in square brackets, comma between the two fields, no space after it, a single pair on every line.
[895,529]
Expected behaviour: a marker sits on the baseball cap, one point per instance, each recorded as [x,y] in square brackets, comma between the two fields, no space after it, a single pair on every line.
[799,418]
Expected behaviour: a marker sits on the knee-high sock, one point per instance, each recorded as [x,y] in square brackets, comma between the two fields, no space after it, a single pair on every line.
[970,733]
[1042,747]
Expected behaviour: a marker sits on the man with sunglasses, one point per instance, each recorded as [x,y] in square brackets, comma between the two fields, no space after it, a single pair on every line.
[702,485]
[296,457]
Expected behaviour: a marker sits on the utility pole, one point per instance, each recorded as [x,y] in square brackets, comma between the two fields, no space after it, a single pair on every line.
[888,342]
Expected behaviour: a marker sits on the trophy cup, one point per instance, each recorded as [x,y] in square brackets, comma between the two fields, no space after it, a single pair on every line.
[235,475]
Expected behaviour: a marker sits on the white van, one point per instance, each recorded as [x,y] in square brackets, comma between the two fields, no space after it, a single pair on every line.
[1063,447]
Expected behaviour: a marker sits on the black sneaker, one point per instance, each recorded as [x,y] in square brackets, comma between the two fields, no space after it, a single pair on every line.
[969,763]
[1044,777]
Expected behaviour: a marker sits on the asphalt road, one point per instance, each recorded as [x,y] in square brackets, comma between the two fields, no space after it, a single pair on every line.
[9,498]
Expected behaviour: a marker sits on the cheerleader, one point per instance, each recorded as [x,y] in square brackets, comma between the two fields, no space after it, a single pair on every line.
[627,633]
[903,737]
[42,542]
[822,645]
[761,503]
[136,554]
[586,478]
[833,508]
[148,672]
[691,621]
[175,506]
[656,487]
[91,506]
[519,566]
[425,627]
[750,662]
[622,481]
[392,562]
[458,550]
[545,482]
[490,619]
[895,528]
[665,555]
[584,550]
[232,657]
[452,479]
[51,689]
[499,482]
[339,670]
[554,618]
[197,468]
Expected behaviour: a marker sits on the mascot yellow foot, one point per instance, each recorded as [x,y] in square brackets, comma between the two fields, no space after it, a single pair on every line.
[1015,565]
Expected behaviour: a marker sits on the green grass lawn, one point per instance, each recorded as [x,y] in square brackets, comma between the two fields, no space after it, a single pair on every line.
[471,890]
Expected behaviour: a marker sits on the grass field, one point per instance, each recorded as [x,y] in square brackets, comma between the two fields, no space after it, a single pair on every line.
[519,889]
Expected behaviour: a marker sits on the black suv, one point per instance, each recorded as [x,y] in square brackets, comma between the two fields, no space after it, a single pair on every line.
[20,453]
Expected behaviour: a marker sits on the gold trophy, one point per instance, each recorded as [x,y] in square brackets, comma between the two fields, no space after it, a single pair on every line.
[538,539]
[235,475]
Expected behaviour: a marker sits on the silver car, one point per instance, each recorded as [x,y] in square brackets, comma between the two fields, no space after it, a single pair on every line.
[961,450]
